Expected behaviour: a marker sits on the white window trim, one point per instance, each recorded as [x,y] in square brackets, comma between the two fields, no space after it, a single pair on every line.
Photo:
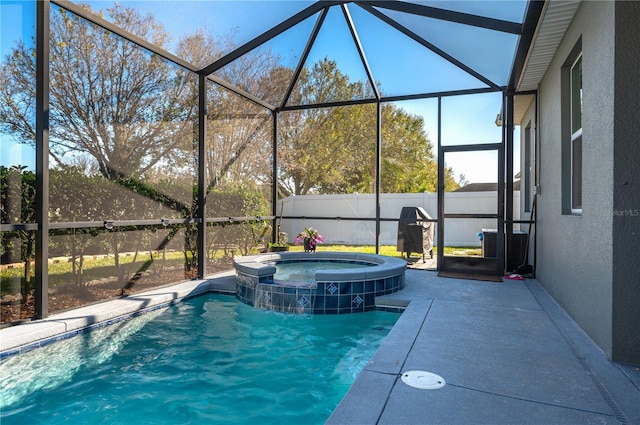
[574,135]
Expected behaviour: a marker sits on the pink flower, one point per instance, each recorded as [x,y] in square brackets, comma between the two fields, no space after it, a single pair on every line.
[309,234]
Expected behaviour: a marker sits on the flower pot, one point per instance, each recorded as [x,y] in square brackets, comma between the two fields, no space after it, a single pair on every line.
[308,247]
[278,248]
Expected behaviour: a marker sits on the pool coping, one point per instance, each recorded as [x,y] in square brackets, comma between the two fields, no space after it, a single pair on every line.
[255,265]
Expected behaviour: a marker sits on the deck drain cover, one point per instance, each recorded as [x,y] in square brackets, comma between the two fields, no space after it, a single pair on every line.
[423,380]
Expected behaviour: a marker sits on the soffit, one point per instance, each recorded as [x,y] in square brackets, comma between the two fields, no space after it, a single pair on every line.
[521,104]
[552,27]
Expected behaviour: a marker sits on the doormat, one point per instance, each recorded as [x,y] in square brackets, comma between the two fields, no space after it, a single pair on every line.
[471,276]
[419,265]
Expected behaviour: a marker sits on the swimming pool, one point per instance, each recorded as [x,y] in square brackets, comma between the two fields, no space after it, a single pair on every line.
[210,359]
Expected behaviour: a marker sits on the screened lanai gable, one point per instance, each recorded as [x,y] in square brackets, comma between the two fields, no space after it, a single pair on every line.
[333,58]
[379,45]
[412,68]
[399,48]
[266,71]
[306,68]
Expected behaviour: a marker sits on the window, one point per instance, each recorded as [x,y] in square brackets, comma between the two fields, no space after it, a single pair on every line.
[525,183]
[576,136]
[571,130]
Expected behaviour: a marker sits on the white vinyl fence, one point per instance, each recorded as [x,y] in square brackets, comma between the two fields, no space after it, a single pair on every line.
[458,232]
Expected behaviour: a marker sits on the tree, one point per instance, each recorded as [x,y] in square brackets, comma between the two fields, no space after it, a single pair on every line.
[321,149]
[130,115]
[109,99]
[17,193]
[409,164]
[332,150]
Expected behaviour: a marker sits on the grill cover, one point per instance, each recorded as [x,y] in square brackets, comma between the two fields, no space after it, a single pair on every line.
[415,235]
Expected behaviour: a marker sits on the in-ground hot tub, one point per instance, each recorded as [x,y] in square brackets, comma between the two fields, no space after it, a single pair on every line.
[352,288]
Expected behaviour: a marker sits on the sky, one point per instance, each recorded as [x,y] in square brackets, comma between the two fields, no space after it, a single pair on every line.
[16,22]
[401,65]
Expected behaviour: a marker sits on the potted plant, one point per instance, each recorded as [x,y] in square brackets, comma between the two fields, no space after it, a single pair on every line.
[281,244]
[310,238]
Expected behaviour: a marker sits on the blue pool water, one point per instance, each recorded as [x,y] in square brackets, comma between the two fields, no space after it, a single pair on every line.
[305,271]
[209,360]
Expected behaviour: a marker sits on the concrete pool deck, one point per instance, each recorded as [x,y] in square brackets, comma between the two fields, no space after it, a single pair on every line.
[509,355]
[508,352]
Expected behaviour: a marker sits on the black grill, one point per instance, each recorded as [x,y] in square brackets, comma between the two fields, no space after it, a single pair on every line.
[415,234]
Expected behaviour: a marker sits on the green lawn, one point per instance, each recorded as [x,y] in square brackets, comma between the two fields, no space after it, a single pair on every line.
[390,250]
[97,267]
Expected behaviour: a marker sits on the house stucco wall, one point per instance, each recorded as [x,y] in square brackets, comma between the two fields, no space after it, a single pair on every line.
[529,119]
[574,252]
[626,185]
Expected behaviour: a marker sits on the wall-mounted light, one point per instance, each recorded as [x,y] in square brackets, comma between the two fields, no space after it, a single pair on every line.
[499,120]
[164,222]
[108,224]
